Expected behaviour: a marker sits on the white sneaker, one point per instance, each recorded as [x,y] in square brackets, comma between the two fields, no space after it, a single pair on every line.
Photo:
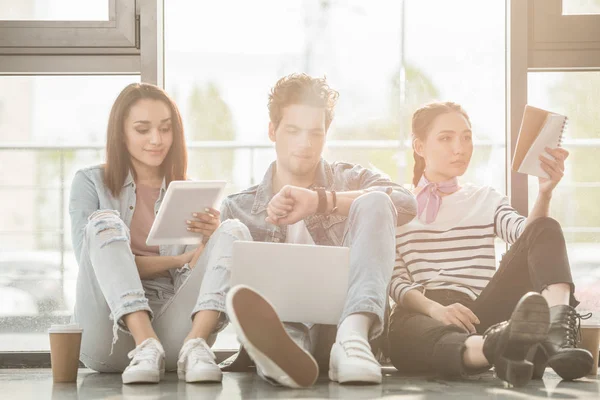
[147,363]
[196,363]
[263,336]
[352,360]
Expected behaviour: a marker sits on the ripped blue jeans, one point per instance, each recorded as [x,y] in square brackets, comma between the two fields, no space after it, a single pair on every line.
[109,287]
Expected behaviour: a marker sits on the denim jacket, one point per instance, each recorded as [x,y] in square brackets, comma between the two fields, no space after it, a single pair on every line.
[250,205]
[89,194]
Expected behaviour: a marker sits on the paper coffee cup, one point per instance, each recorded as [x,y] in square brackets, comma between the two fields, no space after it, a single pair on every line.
[65,342]
[590,340]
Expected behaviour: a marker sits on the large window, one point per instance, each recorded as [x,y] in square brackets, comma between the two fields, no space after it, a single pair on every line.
[457,50]
[575,202]
[384,58]
[62,65]
[38,116]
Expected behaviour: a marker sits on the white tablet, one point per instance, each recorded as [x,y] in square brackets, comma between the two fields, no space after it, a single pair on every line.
[181,200]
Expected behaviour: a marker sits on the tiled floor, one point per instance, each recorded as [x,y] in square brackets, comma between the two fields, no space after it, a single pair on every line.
[37,384]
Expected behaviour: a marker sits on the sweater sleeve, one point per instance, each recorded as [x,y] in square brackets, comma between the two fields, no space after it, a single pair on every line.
[402,281]
[508,223]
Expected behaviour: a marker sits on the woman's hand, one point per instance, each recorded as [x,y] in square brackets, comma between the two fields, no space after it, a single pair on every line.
[205,222]
[554,168]
[455,314]
[191,257]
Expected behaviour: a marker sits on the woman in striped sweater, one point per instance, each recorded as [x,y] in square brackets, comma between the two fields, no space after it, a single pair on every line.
[456,314]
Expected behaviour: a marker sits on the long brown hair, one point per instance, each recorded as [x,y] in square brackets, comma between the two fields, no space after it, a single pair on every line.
[118,161]
[421,123]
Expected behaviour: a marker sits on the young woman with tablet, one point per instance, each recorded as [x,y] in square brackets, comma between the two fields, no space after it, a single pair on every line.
[451,300]
[144,308]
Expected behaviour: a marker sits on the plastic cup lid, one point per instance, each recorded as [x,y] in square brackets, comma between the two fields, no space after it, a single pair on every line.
[67,328]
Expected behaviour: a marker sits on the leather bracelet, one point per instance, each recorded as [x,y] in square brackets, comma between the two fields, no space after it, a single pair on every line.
[322,206]
[334,198]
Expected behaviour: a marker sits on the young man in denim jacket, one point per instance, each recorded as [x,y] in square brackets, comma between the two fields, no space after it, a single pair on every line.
[304,199]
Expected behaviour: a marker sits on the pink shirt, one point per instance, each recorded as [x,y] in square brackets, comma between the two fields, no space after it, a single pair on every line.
[141,222]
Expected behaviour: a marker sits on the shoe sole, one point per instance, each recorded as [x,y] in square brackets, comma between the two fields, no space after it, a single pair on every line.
[572,365]
[263,335]
[353,378]
[202,376]
[143,377]
[528,326]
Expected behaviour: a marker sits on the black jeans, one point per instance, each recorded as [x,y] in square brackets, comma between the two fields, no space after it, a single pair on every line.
[420,344]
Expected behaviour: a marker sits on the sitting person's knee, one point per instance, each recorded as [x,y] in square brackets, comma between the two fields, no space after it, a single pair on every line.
[236,228]
[374,203]
[544,223]
[107,226]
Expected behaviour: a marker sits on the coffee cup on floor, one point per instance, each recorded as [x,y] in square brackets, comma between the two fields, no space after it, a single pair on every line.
[65,342]
[590,340]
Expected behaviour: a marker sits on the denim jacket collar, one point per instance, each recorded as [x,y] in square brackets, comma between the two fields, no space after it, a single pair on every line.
[128,179]
[264,192]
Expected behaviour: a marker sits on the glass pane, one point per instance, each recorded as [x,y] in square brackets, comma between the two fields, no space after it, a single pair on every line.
[578,7]
[54,10]
[37,266]
[461,58]
[222,84]
[574,204]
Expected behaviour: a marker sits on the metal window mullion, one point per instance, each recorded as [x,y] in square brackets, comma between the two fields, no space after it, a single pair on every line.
[117,64]
[151,41]
[516,96]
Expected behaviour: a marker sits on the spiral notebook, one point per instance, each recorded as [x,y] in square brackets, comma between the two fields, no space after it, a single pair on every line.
[539,129]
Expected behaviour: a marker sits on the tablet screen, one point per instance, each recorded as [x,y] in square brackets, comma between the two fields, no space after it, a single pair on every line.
[181,200]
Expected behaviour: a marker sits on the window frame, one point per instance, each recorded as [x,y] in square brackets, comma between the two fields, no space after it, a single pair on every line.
[118,32]
[555,42]
[130,42]
[562,42]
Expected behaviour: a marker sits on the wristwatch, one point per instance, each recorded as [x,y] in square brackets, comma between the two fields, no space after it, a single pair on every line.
[322,196]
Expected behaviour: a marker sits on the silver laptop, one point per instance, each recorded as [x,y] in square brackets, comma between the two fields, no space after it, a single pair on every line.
[305,283]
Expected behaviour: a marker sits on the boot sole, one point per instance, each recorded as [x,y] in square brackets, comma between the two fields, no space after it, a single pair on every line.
[528,326]
[573,365]
[263,335]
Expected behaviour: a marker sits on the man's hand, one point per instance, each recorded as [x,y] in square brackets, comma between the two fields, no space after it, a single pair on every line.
[455,314]
[291,204]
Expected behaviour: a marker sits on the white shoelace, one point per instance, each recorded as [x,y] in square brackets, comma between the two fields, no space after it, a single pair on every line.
[198,352]
[148,351]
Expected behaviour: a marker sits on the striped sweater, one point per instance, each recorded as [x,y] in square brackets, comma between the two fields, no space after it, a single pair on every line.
[456,251]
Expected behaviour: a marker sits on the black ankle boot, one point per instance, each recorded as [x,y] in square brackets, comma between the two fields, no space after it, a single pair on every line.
[560,350]
[511,345]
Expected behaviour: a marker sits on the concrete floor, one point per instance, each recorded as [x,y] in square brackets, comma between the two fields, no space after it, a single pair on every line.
[37,384]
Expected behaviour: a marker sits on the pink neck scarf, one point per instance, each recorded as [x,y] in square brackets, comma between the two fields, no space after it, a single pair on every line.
[428,198]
